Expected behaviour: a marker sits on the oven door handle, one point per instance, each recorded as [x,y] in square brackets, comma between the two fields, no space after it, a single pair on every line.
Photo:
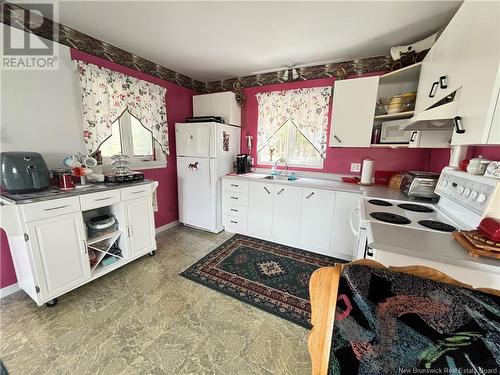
[353,228]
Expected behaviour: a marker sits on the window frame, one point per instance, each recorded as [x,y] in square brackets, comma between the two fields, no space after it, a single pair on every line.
[291,144]
[127,146]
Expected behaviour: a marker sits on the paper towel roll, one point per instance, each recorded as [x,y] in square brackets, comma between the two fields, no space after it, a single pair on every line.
[367,172]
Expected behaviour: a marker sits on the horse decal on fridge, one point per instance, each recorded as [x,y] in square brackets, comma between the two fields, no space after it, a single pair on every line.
[193,166]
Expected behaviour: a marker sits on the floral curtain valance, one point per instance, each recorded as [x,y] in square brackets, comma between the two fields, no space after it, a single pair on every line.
[106,94]
[307,109]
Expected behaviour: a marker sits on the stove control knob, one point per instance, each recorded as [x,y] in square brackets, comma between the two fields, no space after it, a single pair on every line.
[481,198]
[466,192]
[444,183]
[473,194]
[460,189]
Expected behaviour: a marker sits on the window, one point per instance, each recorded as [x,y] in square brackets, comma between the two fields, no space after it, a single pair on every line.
[292,124]
[290,143]
[130,138]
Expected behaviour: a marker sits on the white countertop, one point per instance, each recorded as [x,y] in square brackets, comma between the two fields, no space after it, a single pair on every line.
[375,191]
[440,247]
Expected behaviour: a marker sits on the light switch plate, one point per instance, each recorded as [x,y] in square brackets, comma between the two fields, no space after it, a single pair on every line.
[355,167]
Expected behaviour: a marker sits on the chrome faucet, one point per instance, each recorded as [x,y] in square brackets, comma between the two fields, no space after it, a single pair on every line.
[286,165]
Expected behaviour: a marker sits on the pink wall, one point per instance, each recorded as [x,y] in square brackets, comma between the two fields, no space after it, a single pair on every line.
[179,106]
[338,160]
[440,157]
[7,274]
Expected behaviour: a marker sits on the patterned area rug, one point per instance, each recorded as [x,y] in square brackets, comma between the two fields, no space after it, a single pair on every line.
[266,275]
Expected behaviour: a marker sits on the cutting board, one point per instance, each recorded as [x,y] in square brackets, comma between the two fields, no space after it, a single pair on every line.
[472,249]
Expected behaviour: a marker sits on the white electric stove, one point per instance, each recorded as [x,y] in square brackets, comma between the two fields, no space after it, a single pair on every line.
[401,233]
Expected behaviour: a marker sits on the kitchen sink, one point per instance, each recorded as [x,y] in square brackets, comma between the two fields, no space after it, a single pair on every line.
[277,178]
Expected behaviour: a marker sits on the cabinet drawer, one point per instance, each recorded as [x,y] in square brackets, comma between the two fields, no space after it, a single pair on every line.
[234,223]
[54,207]
[101,199]
[234,210]
[136,192]
[232,197]
[235,185]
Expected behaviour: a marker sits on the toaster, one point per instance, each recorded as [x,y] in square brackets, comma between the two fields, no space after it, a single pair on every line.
[416,184]
[23,172]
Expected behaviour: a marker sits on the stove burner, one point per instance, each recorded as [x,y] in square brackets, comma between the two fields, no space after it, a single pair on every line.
[379,202]
[390,218]
[437,225]
[415,207]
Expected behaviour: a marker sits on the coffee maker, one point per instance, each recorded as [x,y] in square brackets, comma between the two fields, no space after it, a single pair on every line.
[243,164]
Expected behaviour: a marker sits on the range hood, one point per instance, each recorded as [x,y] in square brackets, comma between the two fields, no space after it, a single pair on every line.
[437,117]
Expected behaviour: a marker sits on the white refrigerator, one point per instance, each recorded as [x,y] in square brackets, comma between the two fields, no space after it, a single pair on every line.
[205,152]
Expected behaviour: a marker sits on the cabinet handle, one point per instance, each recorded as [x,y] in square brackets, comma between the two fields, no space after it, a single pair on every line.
[458,120]
[338,139]
[234,185]
[310,195]
[281,191]
[433,89]
[102,199]
[85,246]
[266,189]
[234,222]
[443,82]
[413,135]
[55,208]
[137,192]
[234,197]
[234,210]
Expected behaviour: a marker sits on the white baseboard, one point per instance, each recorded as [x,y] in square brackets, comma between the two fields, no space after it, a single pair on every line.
[8,290]
[167,226]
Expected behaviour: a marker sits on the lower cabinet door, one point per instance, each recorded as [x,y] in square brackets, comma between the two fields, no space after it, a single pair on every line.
[344,241]
[260,209]
[60,253]
[140,228]
[286,212]
[316,218]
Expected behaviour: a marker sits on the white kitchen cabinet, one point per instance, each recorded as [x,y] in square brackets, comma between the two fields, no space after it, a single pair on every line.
[59,253]
[260,209]
[316,218]
[466,60]
[344,240]
[476,49]
[286,212]
[430,139]
[353,112]
[222,104]
[140,226]
[432,87]
[202,105]
[50,245]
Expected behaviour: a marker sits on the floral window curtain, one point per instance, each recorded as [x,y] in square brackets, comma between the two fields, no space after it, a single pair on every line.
[307,109]
[107,94]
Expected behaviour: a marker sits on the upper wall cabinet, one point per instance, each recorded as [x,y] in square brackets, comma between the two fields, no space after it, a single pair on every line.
[354,103]
[222,104]
[352,113]
[466,60]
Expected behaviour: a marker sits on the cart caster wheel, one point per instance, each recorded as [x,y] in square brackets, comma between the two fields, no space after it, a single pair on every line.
[152,253]
[51,303]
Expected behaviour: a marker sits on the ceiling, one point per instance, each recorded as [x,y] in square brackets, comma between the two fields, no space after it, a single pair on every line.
[211,41]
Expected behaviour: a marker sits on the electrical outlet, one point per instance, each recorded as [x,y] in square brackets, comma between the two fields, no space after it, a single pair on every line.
[355,167]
